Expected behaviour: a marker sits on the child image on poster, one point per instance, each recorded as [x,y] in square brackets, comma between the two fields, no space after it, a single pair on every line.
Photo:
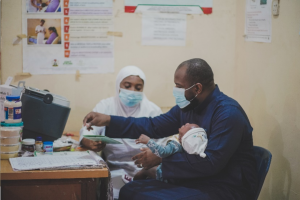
[41,6]
[44,31]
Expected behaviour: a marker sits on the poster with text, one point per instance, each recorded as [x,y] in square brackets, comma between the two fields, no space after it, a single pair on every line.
[258,24]
[162,29]
[72,37]
[169,6]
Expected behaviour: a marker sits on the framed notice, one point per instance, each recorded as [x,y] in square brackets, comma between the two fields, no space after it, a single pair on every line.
[169,6]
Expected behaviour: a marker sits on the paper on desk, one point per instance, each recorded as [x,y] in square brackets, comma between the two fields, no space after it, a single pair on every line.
[72,153]
[63,153]
[101,138]
[48,162]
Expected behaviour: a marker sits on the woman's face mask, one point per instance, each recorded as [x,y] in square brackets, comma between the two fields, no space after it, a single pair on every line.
[130,98]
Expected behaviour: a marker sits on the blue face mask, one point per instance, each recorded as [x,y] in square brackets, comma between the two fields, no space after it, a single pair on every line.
[130,98]
[179,94]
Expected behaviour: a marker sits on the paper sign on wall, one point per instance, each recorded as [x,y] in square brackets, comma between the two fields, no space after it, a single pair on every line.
[258,25]
[164,29]
[65,36]
[169,6]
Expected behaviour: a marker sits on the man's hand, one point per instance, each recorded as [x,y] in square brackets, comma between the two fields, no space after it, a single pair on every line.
[144,139]
[92,145]
[146,159]
[95,119]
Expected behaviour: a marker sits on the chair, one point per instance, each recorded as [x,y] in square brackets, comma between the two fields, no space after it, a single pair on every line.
[57,40]
[263,160]
[153,189]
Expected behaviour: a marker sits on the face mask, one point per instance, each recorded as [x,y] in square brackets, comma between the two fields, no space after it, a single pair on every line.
[179,94]
[130,98]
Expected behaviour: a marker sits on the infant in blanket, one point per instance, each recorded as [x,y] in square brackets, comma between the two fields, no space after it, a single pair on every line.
[193,140]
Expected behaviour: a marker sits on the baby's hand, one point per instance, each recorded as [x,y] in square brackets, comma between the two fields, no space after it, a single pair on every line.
[144,139]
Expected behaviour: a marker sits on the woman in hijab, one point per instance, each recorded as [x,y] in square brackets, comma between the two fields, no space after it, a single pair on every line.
[53,34]
[129,101]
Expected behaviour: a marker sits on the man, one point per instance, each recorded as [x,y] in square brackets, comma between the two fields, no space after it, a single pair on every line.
[229,169]
[40,31]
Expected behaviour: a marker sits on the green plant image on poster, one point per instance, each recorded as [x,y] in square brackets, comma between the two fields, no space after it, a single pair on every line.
[263,2]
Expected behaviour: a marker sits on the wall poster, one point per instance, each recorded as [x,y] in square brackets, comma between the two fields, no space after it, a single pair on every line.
[64,36]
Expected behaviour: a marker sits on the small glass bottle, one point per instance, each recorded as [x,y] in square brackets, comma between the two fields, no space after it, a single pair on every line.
[39,144]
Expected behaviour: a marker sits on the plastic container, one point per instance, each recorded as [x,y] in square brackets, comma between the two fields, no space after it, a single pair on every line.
[28,145]
[13,109]
[9,147]
[10,130]
[8,155]
[39,144]
[48,148]
[10,140]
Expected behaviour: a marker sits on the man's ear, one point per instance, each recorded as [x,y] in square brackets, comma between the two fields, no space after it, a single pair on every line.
[199,88]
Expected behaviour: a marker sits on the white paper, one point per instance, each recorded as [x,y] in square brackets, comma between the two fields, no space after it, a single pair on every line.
[169,6]
[258,24]
[164,29]
[8,80]
[17,40]
[44,162]
[82,43]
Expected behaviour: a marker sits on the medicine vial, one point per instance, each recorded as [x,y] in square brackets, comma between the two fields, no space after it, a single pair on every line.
[39,144]
[48,148]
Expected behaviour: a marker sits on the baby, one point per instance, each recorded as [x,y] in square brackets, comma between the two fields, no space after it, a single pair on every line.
[191,138]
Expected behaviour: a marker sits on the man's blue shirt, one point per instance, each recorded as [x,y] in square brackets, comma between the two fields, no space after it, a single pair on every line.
[229,161]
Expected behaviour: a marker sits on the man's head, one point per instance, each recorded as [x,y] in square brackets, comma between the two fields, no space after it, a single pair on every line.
[197,78]
[42,22]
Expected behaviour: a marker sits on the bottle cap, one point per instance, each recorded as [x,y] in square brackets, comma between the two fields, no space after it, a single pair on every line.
[38,138]
[28,141]
[48,143]
[11,98]
[12,125]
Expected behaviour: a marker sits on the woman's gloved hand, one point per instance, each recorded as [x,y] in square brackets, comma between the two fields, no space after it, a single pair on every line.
[92,145]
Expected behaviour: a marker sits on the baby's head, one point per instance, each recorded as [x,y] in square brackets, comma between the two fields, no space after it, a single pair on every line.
[185,128]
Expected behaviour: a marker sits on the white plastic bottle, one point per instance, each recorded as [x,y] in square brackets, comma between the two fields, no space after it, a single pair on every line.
[13,109]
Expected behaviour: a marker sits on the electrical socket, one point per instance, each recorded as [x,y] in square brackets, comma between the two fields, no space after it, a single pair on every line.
[275,7]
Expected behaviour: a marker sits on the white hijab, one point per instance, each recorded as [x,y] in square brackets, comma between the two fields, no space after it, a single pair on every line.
[141,107]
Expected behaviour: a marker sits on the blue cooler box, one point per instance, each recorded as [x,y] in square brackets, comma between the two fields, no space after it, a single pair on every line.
[44,114]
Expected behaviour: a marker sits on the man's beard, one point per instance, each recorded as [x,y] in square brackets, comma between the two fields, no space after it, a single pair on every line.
[193,104]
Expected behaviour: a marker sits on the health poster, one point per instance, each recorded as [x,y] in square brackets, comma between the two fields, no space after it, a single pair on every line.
[64,36]
[169,6]
[258,21]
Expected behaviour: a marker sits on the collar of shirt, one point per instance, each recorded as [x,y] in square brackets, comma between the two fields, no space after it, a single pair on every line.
[212,96]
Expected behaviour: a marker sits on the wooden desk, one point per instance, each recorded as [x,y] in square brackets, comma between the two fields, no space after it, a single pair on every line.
[50,185]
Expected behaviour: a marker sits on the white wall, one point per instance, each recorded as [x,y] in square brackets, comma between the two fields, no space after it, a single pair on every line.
[267,86]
